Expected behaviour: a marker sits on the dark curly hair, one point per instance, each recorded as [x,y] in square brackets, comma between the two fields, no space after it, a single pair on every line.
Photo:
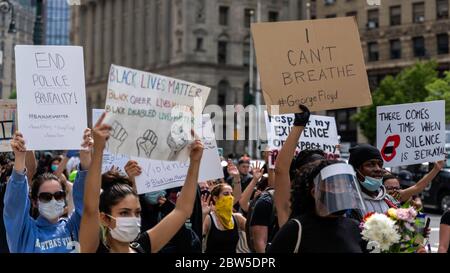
[303,158]
[115,188]
[302,200]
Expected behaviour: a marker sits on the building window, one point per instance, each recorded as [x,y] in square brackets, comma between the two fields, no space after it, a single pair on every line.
[329,2]
[223,15]
[199,44]
[442,43]
[419,46]
[373,51]
[418,12]
[441,9]
[222,91]
[396,49]
[248,14]
[347,128]
[246,53]
[330,16]
[372,18]
[273,16]
[248,97]
[396,15]
[222,52]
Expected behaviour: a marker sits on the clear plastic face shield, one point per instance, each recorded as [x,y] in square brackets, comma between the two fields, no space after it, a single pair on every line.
[337,190]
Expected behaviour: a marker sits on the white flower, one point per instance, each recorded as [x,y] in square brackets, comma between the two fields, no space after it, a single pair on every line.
[381,229]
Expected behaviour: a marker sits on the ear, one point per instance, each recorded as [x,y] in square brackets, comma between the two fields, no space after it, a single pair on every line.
[106,221]
[35,204]
[313,191]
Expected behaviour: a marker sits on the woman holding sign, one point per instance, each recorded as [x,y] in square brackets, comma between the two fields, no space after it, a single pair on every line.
[49,233]
[119,210]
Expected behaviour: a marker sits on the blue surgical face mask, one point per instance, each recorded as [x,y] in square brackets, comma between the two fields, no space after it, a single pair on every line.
[54,167]
[372,184]
[152,197]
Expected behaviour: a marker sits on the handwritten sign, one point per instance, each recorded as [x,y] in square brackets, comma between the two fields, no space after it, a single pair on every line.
[160,175]
[51,96]
[318,63]
[8,122]
[151,115]
[411,133]
[320,133]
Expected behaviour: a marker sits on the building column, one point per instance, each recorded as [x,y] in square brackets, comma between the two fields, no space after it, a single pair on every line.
[98,17]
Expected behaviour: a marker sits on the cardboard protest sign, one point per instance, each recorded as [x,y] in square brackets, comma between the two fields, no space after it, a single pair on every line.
[110,161]
[151,115]
[318,63]
[8,122]
[320,133]
[161,175]
[51,96]
[411,133]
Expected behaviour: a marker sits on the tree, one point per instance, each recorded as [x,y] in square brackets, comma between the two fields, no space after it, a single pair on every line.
[13,95]
[440,90]
[410,85]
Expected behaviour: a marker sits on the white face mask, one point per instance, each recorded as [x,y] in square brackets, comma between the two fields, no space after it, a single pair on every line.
[51,210]
[127,228]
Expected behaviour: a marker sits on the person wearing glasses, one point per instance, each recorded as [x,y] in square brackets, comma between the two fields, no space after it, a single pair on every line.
[49,233]
[392,185]
[221,227]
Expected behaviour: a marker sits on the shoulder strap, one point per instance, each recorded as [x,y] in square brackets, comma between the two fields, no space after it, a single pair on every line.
[299,236]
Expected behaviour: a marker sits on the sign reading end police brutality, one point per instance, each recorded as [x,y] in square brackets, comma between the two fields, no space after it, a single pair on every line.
[318,63]
[412,133]
[320,133]
[51,96]
[151,115]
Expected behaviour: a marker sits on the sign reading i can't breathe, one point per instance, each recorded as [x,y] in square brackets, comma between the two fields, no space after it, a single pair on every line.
[51,96]
[411,133]
[319,133]
[318,63]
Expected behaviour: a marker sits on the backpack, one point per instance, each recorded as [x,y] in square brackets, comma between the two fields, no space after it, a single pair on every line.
[273,217]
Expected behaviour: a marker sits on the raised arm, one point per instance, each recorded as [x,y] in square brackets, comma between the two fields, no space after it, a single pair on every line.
[406,194]
[90,223]
[169,225]
[133,169]
[284,159]
[31,165]
[236,178]
[244,202]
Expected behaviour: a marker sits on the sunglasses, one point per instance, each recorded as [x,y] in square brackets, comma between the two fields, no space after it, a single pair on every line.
[47,197]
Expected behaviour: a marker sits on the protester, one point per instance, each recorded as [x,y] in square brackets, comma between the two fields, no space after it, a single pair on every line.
[5,172]
[119,209]
[251,192]
[393,188]
[368,165]
[444,233]
[49,233]
[221,226]
[319,202]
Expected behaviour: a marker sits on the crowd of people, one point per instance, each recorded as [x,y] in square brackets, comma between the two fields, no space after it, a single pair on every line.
[57,202]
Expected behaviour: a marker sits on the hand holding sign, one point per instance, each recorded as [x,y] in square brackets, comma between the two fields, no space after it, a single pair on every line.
[101,133]
[85,155]
[301,119]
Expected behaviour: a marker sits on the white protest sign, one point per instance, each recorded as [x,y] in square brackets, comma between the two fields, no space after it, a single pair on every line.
[110,160]
[411,133]
[8,123]
[151,115]
[51,97]
[161,175]
[319,133]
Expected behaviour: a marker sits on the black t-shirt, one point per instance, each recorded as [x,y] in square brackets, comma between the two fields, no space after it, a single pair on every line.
[3,244]
[263,215]
[445,220]
[319,235]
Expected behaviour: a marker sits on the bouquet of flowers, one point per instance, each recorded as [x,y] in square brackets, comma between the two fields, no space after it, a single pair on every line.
[397,231]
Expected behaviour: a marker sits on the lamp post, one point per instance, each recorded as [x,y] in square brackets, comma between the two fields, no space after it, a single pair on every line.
[5,7]
[38,32]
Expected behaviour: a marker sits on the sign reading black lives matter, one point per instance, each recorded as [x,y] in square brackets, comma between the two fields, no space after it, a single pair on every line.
[51,96]
[319,133]
[318,63]
[411,133]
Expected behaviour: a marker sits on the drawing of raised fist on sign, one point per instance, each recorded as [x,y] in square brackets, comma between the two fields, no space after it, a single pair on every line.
[177,139]
[147,143]
[117,137]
